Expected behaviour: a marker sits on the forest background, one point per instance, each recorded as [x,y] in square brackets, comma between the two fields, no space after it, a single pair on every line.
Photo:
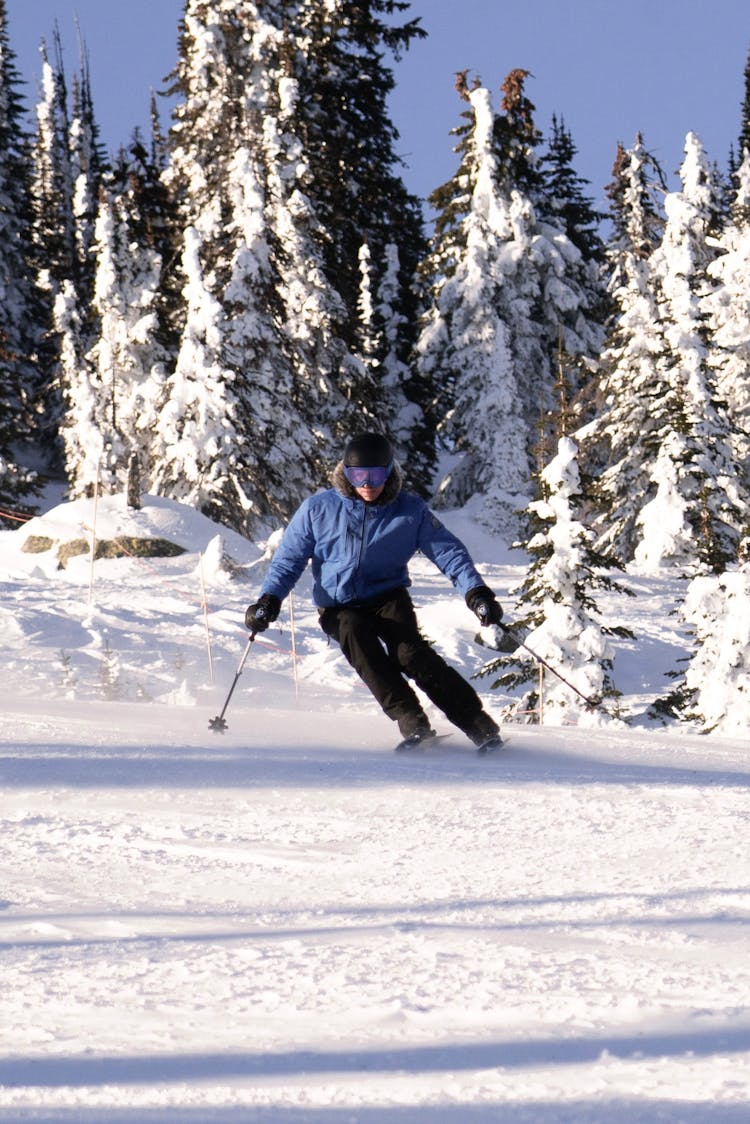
[208,312]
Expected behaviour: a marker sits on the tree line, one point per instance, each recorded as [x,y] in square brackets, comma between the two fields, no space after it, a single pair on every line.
[222,302]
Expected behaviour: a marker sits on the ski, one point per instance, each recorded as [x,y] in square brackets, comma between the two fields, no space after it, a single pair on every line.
[414,745]
[492,745]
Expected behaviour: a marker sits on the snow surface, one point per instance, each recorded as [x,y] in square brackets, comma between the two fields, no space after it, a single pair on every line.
[290,923]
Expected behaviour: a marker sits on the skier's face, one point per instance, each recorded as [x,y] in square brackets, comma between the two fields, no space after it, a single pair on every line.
[368,493]
[368,483]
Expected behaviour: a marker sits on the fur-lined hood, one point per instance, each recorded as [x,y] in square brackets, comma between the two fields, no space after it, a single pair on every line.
[391,490]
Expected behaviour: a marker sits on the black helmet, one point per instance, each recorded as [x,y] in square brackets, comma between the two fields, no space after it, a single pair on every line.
[368,450]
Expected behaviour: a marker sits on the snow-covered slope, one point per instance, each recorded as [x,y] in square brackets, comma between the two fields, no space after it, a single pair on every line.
[289,923]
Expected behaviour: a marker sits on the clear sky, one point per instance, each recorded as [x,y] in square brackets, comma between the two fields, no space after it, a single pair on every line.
[609,68]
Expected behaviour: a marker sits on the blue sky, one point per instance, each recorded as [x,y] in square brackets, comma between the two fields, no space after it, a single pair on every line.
[609,68]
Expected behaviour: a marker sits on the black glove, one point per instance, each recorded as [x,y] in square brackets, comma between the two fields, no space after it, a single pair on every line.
[262,613]
[482,601]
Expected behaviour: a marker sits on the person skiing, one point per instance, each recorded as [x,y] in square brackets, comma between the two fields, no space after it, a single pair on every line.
[360,535]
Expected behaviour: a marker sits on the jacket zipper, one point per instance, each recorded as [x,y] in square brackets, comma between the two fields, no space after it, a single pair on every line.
[361,541]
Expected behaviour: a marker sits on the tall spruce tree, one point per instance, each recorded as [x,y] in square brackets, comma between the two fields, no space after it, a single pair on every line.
[465,340]
[711,690]
[727,308]
[394,376]
[125,365]
[501,251]
[620,442]
[325,373]
[565,196]
[237,176]
[557,608]
[697,510]
[743,144]
[358,192]
[200,443]
[53,242]
[88,166]
[17,337]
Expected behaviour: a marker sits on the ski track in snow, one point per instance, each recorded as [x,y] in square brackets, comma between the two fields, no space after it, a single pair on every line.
[289,923]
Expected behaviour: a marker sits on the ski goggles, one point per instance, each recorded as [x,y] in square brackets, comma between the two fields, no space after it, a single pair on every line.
[367,477]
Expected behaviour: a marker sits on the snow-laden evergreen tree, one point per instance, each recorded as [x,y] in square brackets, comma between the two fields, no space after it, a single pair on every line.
[356,187]
[565,195]
[557,612]
[465,342]
[66,169]
[507,295]
[379,334]
[695,476]
[85,442]
[242,184]
[712,690]
[406,418]
[278,448]
[124,369]
[573,289]
[87,168]
[17,337]
[743,144]
[558,241]
[53,243]
[620,444]
[368,336]
[138,176]
[199,443]
[727,308]
[325,374]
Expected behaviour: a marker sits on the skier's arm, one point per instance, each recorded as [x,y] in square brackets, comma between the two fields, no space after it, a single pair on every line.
[451,557]
[292,555]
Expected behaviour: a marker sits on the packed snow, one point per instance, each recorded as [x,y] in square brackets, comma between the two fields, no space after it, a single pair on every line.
[290,923]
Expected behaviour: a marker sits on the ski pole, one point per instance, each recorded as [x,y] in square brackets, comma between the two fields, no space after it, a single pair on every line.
[218,725]
[589,702]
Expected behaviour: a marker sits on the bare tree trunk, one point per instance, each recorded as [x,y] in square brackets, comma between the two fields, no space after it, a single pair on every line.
[134,483]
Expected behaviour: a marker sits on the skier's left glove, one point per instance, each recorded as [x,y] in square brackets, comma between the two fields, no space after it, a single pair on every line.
[262,613]
[482,601]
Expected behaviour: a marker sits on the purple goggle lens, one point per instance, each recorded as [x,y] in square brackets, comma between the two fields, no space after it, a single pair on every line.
[367,477]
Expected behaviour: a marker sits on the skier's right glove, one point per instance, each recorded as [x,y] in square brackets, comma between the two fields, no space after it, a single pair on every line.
[262,613]
[482,601]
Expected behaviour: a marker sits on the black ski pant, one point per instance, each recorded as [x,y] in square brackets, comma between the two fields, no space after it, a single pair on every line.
[382,642]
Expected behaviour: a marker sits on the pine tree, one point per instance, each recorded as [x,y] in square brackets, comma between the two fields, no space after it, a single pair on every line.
[16,306]
[356,188]
[125,366]
[238,178]
[325,373]
[53,243]
[557,603]
[506,283]
[517,139]
[465,342]
[565,196]
[139,177]
[711,690]
[696,512]
[727,308]
[619,444]
[743,145]
[88,166]
[199,446]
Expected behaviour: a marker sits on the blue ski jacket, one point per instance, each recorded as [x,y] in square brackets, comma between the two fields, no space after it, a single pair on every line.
[360,551]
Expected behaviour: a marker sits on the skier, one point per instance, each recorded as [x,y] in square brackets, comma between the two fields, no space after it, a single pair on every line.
[360,535]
